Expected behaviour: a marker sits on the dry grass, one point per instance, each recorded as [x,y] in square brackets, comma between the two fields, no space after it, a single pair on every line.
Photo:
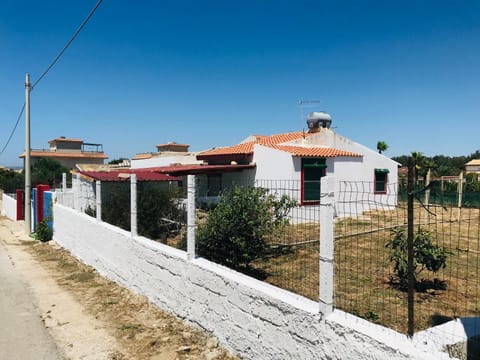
[363,271]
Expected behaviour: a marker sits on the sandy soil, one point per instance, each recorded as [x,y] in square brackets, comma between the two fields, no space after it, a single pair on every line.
[90,317]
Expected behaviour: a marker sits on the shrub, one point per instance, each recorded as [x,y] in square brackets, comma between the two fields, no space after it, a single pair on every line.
[427,255]
[44,232]
[159,213]
[235,230]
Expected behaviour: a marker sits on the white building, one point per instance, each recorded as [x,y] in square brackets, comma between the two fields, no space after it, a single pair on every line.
[298,160]
[167,154]
[473,166]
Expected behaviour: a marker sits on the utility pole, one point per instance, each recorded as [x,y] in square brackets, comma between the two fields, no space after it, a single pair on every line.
[28,177]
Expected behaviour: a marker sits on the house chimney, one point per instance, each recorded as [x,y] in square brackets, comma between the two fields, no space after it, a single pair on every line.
[317,120]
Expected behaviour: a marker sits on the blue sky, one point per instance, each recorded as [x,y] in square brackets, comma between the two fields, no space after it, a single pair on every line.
[209,73]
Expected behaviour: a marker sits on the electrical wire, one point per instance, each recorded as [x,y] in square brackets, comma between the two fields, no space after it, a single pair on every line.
[75,34]
[14,129]
[52,64]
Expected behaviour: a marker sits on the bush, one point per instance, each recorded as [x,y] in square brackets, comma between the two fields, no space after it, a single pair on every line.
[159,213]
[44,232]
[234,233]
[116,204]
[427,256]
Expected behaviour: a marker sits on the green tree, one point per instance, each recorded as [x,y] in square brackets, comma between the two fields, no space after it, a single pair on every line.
[116,204]
[382,146]
[427,255]
[235,231]
[159,213]
[11,180]
[418,159]
[47,171]
[117,161]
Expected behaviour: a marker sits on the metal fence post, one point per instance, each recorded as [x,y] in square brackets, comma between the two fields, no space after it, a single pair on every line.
[133,205]
[98,199]
[326,245]
[191,216]
[410,249]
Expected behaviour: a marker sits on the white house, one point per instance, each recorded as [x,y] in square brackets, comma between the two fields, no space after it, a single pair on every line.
[299,159]
[473,166]
[293,163]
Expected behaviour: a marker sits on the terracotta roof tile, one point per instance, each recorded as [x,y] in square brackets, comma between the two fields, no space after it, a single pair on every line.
[58,154]
[142,156]
[315,151]
[245,148]
[275,141]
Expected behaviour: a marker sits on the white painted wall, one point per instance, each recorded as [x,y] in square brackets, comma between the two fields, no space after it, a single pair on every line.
[9,206]
[65,198]
[273,164]
[85,194]
[253,319]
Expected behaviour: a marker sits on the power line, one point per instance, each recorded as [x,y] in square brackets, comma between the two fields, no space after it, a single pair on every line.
[52,64]
[75,34]
[14,128]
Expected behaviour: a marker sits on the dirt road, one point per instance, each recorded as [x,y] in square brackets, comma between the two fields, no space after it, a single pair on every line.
[89,317]
[23,334]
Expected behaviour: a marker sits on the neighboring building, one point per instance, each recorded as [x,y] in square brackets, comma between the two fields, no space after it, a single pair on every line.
[69,152]
[167,154]
[473,166]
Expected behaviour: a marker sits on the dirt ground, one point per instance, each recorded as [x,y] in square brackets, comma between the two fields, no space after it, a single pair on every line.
[90,317]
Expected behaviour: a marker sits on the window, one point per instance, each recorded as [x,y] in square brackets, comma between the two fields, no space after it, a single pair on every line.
[312,170]
[214,184]
[381,178]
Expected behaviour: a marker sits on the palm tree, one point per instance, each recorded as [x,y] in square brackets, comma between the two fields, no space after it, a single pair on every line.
[382,146]
[418,159]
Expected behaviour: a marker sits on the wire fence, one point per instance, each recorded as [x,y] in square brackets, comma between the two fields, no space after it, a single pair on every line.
[292,258]
[362,265]
[369,281]
[371,240]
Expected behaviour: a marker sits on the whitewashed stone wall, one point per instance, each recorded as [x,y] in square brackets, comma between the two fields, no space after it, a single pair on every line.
[253,319]
[65,197]
[9,206]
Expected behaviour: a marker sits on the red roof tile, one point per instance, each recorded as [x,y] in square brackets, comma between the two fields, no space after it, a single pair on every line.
[275,141]
[180,170]
[124,175]
[245,148]
[60,154]
[314,151]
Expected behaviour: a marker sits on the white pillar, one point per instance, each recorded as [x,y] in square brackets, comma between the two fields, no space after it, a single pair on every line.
[133,204]
[76,193]
[98,210]
[64,182]
[326,245]
[191,217]
[427,192]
